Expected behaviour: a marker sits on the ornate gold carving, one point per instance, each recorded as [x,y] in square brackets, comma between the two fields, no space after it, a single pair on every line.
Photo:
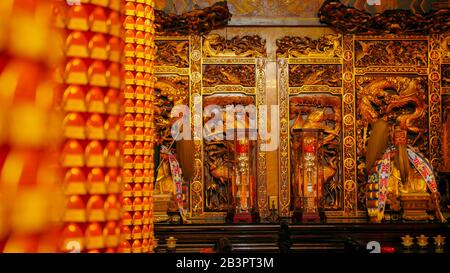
[196,108]
[348,129]
[315,74]
[219,171]
[172,53]
[283,102]
[229,61]
[169,91]
[228,89]
[324,112]
[399,100]
[243,75]
[434,93]
[391,53]
[315,89]
[262,196]
[227,100]
[316,60]
[297,47]
[351,20]
[196,22]
[215,45]
[399,69]
[171,70]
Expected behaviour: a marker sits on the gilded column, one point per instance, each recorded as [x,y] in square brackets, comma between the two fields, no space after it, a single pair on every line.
[348,129]
[90,81]
[197,187]
[283,102]
[435,101]
[138,130]
[29,201]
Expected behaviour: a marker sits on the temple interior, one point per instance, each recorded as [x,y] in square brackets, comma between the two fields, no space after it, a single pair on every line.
[155,126]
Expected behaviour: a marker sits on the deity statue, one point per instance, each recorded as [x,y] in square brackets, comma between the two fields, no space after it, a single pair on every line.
[164,182]
[399,176]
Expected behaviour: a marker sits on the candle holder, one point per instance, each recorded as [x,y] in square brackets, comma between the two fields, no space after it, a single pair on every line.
[439,242]
[171,243]
[422,241]
[407,241]
[309,175]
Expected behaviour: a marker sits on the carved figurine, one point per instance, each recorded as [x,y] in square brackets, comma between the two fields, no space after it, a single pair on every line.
[392,179]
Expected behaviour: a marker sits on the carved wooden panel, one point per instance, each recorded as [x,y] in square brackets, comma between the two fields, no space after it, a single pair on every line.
[215,45]
[315,74]
[391,53]
[243,75]
[172,53]
[300,47]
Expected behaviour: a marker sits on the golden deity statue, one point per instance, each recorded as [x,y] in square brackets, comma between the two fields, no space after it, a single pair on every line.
[164,181]
[398,177]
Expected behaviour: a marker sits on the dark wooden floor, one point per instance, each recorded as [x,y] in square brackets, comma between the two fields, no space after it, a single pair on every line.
[306,238]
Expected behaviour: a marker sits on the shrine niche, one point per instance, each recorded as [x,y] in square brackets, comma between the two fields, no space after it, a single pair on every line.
[230,169]
[310,84]
[402,102]
[319,111]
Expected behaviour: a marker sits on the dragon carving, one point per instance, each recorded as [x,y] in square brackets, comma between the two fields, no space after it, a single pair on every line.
[401,101]
[197,22]
[328,45]
[351,20]
[389,98]
[172,53]
[215,45]
[169,91]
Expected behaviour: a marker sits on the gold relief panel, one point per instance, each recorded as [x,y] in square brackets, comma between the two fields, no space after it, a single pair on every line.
[175,88]
[315,74]
[237,75]
[402,101]
[303,47]
[247,46]
[174,53]
[397,56]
